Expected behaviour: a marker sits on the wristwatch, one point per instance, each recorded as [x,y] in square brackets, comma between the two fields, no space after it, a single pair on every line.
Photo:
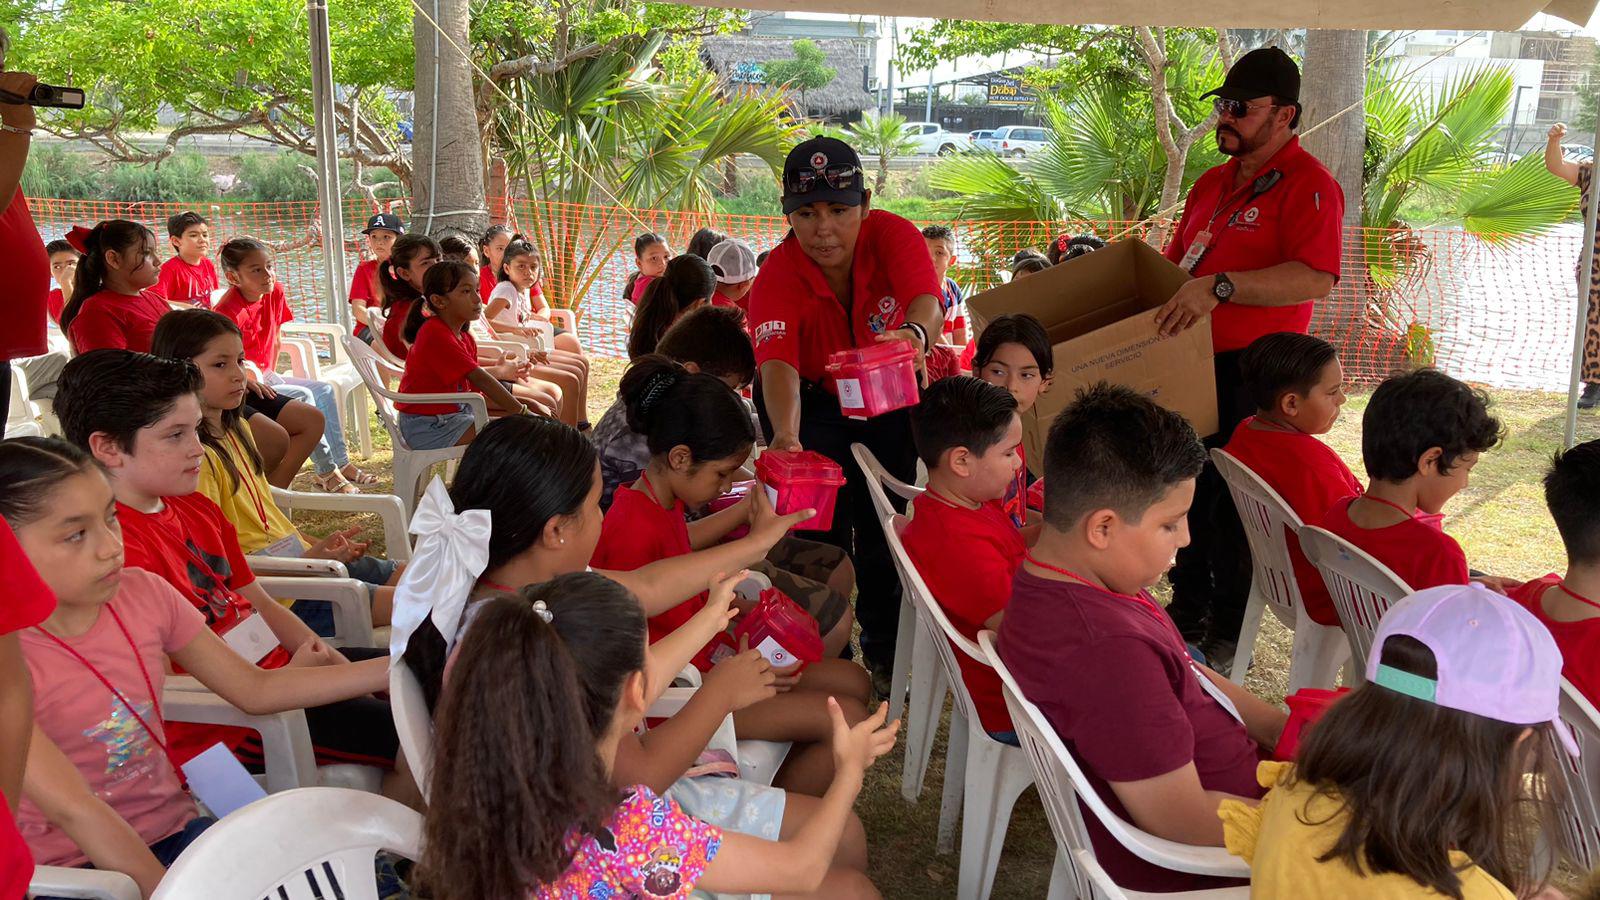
[1222,288]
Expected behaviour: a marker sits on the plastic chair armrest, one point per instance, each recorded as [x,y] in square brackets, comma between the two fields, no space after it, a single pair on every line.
[387,507]
[285,740]
[324,329]
[81,884]
[566,318]
[352,611]
[297,566]
[475,402]
[671,702]
[302,357]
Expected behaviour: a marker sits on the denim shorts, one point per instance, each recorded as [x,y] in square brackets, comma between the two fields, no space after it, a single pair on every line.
[427,432]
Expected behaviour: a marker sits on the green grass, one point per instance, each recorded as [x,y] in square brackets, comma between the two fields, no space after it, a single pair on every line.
[1500,519]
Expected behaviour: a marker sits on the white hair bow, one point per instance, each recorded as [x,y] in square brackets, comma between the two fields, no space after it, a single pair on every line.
[451,552]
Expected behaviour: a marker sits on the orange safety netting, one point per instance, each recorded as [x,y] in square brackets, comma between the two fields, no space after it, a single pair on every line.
[1499,315]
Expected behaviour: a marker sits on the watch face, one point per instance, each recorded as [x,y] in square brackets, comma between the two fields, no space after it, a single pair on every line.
[1223,289]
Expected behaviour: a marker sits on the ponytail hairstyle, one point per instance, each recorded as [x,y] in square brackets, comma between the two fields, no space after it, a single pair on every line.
[184,334]
[455,247]
[30,469]
[672,407]
[119,235]
[700,245]
[687,281]
[236,251]
[519,246]
[640,245]
[1068,246]
[525,471]
[442,278]
[407,247]
[511,781]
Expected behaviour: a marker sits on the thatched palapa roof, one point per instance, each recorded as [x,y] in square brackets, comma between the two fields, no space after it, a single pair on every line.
[738,58]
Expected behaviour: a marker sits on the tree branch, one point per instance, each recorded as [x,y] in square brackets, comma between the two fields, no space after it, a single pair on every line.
[524,66]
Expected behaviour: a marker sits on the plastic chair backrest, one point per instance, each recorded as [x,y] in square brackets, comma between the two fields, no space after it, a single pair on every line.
[301,844]
[370,367]
[1580,809]
[412,722]
[879,481]
[1062,783]
[931,617]
[1268,522]
[22,411]
[1362,588]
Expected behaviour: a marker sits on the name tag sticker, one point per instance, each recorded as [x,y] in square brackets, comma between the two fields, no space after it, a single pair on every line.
[251,638]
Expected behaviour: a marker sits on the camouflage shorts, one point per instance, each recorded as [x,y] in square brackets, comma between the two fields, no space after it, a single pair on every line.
[801,569]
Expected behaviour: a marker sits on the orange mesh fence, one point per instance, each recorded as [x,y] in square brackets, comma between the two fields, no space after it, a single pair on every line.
[1493,312]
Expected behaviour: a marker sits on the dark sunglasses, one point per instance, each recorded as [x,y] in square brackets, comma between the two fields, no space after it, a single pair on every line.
[1237,109]
[841,177]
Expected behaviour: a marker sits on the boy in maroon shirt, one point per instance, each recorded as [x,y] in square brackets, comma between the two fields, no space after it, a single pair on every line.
[960,539]
[1103,661]
[1420,438]
[1298,386]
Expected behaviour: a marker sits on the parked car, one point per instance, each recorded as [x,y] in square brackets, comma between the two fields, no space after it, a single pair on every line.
[1581,153]
[979,140]
[933,139]
[1019,140]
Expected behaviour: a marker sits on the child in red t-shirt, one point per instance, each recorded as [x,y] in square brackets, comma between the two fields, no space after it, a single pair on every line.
[960,539]
[104,789]
[699,436]
[1420,437]
[112,304]
[1569,605]
[650,254]
[1103,661]
[140,416]
[189,277]
[491,254]
[942,248]
[64,269]
[400,281]
[1298,386]
[1014,352]
[365,291]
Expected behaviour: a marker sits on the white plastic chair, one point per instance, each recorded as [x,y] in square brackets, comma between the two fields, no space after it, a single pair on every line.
[301,340]
[1362,589]
[1318,650]
[305,844]
[1580,812]
[352,608]
[391,513]
[410,466]
[1063,785]
[87,884]
[915,659]
[22,416]
[378,318]
[990,775]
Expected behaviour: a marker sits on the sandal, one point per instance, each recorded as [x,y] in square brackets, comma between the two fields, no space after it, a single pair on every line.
[361,478]
[335,483]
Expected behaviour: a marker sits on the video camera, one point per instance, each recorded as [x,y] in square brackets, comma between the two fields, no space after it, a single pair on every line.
[47,95]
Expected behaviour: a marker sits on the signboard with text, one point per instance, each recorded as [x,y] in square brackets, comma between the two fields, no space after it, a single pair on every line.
[1005,90]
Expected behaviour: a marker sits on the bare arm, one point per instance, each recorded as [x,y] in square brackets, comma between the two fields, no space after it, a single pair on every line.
[14,146]
[1284,284]
[780,387]
[1555,160]
[16,717]
[285,625]
[706,532]
[54,784]
[261,691]
[1262,720]
[1175,806]
[494,391]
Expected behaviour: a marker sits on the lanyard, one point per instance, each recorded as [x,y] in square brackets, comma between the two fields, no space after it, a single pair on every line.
[155,700]
[1408,513]
[1432,520]
[1131,598]
[255,497]
[1575,595]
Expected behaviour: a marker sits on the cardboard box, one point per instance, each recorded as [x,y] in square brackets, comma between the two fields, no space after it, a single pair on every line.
[1100,312]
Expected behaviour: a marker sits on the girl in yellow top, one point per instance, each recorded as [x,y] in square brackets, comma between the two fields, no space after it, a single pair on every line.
[1414,786]
[233,477]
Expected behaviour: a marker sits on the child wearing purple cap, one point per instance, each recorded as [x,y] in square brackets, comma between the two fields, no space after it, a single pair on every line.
[1414,785]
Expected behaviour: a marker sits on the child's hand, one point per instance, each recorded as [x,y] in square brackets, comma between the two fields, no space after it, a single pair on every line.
[785,679]
[765,524]
[854,749]
[719,609]
[260,390]
[745,679]
[315,653]
[341,546]
[1498,584]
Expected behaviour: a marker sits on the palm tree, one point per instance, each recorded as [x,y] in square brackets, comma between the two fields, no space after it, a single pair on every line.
[885,136]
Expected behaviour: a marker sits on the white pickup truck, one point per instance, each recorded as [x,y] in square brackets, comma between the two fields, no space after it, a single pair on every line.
[932,139]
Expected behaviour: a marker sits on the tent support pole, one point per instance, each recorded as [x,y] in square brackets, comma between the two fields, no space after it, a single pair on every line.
[329,190]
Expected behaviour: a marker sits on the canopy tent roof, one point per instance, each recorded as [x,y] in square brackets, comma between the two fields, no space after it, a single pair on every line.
[1487,15]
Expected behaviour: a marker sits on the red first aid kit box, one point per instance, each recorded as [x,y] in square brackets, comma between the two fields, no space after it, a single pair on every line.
[874,380]
[783,632]
[1306,706]
[802,479]
[733,497]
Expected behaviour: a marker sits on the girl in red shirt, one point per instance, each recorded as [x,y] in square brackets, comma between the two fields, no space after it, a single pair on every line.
[686,283]
[491,251]
[63,268]
[111,305]
[699,436]
[650,254]
[400,278]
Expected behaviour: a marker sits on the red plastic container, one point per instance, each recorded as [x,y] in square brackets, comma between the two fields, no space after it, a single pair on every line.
[803,479]
[783,631]
[1306,706]
[874,380]
[1036,495]
[733,497]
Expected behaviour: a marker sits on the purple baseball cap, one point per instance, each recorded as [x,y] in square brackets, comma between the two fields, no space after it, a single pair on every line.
[1494,658]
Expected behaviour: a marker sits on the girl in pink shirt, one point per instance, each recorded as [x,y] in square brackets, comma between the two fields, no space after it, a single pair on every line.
[103,786]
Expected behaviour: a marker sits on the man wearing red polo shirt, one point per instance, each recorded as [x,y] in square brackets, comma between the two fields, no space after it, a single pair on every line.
[1261,234]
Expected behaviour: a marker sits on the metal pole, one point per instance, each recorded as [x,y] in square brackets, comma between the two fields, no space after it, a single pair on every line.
[1511,133]
[927,115]
[1585,266]
[329,191]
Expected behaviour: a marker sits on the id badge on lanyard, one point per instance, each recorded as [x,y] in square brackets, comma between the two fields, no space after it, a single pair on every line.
[251,638]
[1204,239]
[1197,251]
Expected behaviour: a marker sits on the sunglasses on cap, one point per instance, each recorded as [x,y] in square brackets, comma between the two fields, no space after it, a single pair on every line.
[840,178]
[1237,109]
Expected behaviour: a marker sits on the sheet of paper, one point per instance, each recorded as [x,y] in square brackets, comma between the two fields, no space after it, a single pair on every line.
[220,781]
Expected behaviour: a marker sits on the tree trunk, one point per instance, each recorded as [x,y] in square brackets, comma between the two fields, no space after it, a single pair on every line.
[447,150]
[1335,78]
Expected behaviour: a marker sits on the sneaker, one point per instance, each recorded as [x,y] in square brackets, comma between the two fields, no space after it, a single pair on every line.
[1591,396]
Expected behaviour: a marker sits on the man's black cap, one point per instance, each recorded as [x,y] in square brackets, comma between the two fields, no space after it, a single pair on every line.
[813,158]
[1268,72]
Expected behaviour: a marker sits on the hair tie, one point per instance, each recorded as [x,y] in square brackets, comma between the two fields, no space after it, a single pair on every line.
[452,550]
[1062,242]
[659,385]
[543,611]
[78,237]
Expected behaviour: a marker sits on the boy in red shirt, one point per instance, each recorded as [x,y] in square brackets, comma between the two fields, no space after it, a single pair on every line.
[1420,437]
[190,276]
[1103,661]
[365,292]
[1570,606]
[1014,352]
[139,415]
[1297,385]
[960,539]
[63,268]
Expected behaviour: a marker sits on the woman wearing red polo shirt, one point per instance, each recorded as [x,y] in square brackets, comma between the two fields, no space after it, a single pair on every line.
[845,276]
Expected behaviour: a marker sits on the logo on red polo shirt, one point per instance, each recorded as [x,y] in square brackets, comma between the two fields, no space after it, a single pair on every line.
[767,331]
[879,321]
[1251,215]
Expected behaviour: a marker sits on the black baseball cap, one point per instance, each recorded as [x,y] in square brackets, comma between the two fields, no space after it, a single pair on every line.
[1267,72]
[385,222]
[820,171]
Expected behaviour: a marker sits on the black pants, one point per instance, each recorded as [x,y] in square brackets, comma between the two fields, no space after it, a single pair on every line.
[1211,579]
[824,429]
[5,392]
